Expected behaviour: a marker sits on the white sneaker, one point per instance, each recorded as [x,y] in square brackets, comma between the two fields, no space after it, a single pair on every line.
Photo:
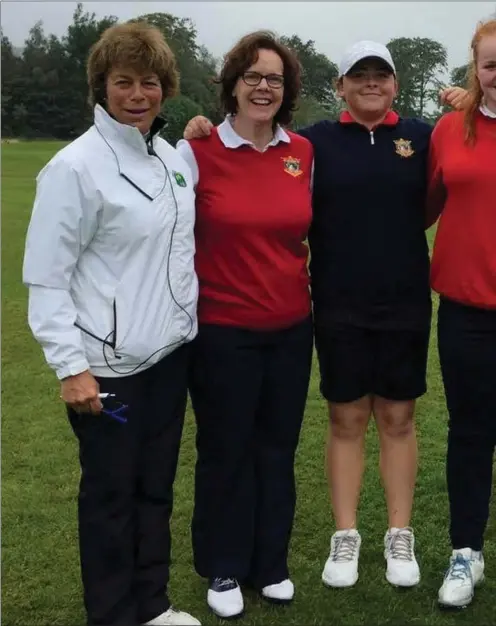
[280,593]
[341,568]
[466,570]
[402,568]
[224,597]
[172,617]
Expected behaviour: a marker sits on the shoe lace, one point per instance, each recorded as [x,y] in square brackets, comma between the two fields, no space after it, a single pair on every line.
[345,548]
[459,569]
[225,582]
[401,544]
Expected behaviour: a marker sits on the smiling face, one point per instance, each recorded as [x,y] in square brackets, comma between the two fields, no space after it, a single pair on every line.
[369,89]
[486,69]
[260,103]
[134,98]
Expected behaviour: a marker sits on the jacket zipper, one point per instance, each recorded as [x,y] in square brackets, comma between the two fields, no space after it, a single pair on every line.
[114,341]
[372,140]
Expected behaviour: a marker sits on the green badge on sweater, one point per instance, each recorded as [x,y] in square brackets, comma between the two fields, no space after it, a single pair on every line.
[179,179]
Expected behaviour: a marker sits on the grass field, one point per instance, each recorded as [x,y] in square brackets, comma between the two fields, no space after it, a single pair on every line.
[40,473]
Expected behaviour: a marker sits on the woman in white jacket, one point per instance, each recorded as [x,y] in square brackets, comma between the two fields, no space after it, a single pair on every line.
[109,263]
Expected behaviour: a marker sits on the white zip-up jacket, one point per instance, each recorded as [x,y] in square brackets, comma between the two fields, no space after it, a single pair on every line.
[109,258]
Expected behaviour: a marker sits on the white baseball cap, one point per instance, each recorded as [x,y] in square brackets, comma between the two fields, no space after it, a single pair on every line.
[364,50]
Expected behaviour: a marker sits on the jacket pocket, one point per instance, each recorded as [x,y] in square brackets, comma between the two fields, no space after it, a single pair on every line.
[96,321]
[143,321]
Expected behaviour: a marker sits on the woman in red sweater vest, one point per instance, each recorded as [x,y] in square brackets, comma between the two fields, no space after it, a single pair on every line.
[463,193]
[252,358]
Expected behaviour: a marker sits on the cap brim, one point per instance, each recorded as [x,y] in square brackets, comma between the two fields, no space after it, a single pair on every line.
[373,57]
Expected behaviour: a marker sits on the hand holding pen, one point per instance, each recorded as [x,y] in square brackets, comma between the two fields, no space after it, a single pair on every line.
[82,393]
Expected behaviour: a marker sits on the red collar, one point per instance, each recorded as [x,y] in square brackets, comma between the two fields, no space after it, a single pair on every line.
[391,119]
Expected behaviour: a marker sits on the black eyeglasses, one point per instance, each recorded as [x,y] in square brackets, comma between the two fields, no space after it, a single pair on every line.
[252,79]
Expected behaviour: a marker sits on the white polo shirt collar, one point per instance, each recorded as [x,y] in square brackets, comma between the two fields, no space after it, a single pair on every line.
[231,139]
[486,111]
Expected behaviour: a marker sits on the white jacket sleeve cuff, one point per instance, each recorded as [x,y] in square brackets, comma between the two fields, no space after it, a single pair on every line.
[73,369]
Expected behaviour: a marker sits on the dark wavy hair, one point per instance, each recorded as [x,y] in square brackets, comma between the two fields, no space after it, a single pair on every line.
[243,55]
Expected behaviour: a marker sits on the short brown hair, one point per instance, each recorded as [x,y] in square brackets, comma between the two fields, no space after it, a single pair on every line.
[243,55]
[474,89]
[136,45]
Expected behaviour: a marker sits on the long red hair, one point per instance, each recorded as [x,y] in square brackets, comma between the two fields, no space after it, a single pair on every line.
[484,29]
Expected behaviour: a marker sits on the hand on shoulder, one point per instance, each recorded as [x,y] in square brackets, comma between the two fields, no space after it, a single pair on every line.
[198,127]
[455,97]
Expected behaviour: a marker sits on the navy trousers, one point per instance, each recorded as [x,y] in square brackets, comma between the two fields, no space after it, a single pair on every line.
[125,495]
[467,351]
[249,391]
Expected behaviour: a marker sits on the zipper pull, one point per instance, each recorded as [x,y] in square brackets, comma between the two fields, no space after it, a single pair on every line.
[372,141]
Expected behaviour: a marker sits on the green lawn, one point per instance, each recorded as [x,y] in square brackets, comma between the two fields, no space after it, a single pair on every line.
[40,582]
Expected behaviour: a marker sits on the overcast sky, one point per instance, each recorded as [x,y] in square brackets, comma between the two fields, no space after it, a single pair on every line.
[332,25]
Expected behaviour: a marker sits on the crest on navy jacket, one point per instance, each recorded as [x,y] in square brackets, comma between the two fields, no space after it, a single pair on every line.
[404,147]
[292,166]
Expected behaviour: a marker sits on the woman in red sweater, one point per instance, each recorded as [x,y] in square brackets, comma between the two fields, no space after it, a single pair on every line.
[252,357]
[463,193]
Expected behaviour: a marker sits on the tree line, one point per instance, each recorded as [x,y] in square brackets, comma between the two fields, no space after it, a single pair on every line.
[44,92]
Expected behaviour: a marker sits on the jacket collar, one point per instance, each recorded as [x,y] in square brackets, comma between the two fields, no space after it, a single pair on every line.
[114,131]
[130,147]
[231,139]
[391,119]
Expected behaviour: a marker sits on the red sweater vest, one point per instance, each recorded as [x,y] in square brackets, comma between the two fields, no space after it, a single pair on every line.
[464,258]
[253,215]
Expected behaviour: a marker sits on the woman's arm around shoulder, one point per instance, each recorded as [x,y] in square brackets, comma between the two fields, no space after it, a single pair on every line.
[436,190]
[315,130]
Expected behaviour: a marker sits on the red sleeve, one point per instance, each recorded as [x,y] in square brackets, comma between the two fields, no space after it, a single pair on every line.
[436,191]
